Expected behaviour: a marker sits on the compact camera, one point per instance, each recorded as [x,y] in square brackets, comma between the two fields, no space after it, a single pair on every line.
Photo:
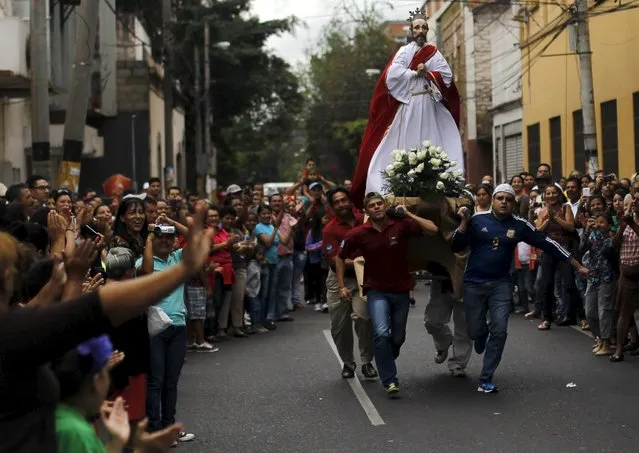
[164,230]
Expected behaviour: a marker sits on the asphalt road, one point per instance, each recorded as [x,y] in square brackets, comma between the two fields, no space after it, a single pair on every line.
[282,392]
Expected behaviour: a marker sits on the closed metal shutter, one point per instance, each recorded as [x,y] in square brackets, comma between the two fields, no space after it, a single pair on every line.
[514,154]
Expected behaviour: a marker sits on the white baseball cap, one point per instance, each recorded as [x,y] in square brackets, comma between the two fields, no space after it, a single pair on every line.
[233,188]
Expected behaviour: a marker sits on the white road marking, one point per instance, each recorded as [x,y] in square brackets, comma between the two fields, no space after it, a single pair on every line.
[585,332]
[356,386]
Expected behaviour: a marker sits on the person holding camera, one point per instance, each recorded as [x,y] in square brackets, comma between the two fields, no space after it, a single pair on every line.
[492,239]
[168,347]
[383,243]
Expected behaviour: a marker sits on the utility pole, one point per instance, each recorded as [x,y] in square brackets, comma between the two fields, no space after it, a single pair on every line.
[587,87]
[79,95]
[198,113]
[40,145]
[208,149]
[167,13]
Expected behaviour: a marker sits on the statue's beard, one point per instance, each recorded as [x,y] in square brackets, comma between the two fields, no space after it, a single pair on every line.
[420,39]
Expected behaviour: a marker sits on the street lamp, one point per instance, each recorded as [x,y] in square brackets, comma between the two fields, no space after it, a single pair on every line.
[373,72]
[222,45]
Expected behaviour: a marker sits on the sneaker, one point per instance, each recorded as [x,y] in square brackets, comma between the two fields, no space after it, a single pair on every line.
[247,319]
[369,371]
[270,325]
[480,344]
[206,347]
[185,437]
[324,308]
[487,387]
[441,356]
[261,329]
[317,307]
[392,390]
[191,347]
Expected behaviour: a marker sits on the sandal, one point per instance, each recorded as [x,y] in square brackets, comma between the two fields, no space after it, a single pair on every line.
[544,326]
[616,358]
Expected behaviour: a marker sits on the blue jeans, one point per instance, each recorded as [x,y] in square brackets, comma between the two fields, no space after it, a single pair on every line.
[481,299]
[388,313]
[280,288]
[299,261]
[267,280]
[167,351]
[254,307]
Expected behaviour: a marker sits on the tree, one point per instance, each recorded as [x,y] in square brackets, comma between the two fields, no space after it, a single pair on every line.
[339,90]
[255,95]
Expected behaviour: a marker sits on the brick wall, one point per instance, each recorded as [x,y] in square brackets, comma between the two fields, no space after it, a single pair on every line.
[133,85]
[484,16]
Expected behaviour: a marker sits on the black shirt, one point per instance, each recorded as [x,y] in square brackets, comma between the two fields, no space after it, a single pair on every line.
[30,338]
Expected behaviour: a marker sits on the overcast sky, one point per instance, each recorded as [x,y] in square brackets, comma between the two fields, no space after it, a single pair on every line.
[315,14]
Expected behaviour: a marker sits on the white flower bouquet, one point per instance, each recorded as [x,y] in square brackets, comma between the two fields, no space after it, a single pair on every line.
[421,171]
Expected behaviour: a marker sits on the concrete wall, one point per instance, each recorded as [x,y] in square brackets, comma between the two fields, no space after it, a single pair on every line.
[157,157]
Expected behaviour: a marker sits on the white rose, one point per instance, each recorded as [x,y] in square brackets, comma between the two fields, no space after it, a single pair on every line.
[397,165]
[394,153]
[411,172]
[444,155]
[453,163]
[390,173]
[421,155]
[458,172]
[390,167]
[412,158]
[419,168]
[435,162]
[440,185]
[439,149]
[444,176]
[427,144]
[398,156]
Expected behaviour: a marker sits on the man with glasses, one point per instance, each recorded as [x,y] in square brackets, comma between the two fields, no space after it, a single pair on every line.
[39,189]
[492,239]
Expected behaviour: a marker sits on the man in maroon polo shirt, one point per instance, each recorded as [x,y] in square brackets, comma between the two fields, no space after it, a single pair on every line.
[383,242]
[345,312]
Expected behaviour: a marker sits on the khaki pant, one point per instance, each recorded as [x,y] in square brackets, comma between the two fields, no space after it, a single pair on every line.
[343,314]
[437,316]
[233,302]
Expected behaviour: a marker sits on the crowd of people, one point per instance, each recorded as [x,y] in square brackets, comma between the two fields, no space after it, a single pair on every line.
[594,220]
[119,290]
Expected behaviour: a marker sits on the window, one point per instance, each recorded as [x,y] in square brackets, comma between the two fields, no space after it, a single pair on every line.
[578,140]
[609,139]
[635,109]
[555,147]
[534,150]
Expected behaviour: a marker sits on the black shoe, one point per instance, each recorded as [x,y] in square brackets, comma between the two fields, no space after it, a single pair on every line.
[347,373]
[564,322]
[441,356]
[369,371]
[270,325]
[412,301]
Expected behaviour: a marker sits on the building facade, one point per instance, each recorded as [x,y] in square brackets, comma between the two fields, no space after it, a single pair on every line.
[553,122]
[508,153]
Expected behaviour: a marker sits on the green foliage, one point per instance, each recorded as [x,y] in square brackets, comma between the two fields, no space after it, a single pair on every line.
[255,95]
[339,90]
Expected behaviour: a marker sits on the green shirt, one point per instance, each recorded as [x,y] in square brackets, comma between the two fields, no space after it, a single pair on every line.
[74,433]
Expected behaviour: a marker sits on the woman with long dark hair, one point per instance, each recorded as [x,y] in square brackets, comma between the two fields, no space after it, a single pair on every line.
[130,227]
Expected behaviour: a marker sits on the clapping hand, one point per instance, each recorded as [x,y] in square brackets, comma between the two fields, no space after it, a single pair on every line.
[157,441]
[77,264]
[116,421]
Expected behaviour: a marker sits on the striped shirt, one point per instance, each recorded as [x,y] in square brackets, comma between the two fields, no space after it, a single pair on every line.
[629,252]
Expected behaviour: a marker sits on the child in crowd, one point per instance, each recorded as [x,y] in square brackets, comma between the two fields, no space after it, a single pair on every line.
[601,258]
[317,266]
[253,285]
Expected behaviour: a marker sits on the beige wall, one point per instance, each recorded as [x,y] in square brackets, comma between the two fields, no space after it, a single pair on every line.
[156,131]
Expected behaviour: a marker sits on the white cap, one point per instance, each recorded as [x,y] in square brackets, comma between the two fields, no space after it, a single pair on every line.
[506,188]
[3,190]
[233,188]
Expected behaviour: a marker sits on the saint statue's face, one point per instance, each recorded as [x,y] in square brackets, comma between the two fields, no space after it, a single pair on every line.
[420,30]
